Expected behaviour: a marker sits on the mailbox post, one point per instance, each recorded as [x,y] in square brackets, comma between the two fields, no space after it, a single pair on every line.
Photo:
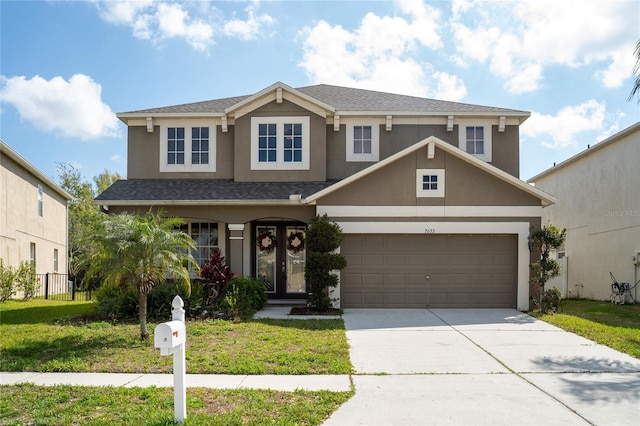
[170,337]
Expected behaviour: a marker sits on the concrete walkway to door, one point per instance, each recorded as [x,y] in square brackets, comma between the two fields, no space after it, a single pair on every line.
[482,367]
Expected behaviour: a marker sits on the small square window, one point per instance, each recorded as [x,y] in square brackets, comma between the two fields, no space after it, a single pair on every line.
[429,183]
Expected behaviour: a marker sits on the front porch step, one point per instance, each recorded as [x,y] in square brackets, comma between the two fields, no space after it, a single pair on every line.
[287,302]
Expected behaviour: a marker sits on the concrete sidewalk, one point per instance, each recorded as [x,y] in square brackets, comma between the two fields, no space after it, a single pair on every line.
[215,381]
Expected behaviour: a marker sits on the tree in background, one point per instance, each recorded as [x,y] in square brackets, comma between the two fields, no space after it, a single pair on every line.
[139,251]
[544,240]
[84,217]
[323,238]
[636,72]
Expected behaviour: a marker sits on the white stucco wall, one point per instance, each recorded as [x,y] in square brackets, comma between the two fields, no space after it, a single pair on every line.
[599,203]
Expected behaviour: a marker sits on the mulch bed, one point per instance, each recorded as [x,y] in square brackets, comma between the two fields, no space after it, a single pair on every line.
[306,310]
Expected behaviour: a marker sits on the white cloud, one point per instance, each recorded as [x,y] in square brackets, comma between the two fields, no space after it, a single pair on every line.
[522,37]
[71,108]
[563,129]
[449,87]
[380,53]
[174,21]
[194,22]
[116,159]
[251,28]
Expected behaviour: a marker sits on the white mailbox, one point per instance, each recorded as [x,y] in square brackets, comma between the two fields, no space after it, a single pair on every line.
[169,335]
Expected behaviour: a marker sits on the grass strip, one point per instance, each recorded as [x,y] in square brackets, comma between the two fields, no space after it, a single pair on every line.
[615,326]
[66,405]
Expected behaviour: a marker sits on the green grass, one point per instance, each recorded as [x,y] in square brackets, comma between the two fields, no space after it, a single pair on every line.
[616,326]
[71,405]
[46,336]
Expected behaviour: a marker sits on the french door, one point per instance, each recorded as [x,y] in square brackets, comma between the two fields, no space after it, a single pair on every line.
[280,259]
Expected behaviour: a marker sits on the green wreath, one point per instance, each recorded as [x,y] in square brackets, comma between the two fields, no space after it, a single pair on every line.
[295,242]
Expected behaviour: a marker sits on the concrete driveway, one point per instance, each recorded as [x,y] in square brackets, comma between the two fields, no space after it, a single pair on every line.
[482,367]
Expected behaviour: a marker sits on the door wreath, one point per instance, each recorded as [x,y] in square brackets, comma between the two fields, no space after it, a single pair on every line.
[266,241]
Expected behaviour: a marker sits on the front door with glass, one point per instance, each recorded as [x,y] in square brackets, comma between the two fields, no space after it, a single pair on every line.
[280,259]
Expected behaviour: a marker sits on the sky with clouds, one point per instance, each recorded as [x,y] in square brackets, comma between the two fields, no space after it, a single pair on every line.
[67,67]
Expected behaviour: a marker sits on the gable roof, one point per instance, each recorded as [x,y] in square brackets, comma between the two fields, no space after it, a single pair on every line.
[205,191]
[9,152]
[335,100]
[589,151]
[545,198]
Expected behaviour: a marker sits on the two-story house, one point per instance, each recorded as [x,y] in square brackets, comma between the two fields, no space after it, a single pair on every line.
[426,192]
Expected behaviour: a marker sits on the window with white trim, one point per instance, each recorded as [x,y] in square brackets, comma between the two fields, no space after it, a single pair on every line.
[363,140]
[55,260]
[280,143]
[199,145]
[474,137]
[205,235]
[429,183]
[475,140]
[40,200]
[187,147]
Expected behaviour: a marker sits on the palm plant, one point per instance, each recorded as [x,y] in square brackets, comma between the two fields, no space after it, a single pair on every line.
[140,251]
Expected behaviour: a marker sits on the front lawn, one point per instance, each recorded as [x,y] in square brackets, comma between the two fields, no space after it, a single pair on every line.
[48,336]
[616,326]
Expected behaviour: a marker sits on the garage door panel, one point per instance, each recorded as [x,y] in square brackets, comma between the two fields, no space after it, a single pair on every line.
[374,260]
[463,270]
[372,280]
[394,260]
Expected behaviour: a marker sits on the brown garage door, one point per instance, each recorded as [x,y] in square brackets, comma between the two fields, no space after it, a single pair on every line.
[465,271]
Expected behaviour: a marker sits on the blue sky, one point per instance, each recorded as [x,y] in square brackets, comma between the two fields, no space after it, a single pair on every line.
[67,67]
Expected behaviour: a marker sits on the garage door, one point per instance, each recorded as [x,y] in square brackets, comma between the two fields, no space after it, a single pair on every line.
[464,271]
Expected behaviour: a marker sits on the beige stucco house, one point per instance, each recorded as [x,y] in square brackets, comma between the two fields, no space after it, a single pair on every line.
[33,215]
[426,191]
[598,193]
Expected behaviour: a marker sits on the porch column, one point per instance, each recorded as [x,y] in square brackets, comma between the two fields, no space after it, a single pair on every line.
[235,257]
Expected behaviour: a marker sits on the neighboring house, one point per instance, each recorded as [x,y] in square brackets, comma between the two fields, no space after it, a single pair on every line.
[426,192]
[33,215]
[598,193]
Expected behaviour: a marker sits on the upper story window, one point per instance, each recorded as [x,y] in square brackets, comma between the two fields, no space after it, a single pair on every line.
[280,143]
[175,145]
[475,140]
[40,200]
[429,183]
[187,147]
[474,137]
[363,140]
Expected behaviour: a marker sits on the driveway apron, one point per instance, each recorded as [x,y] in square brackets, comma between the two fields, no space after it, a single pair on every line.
[482,367]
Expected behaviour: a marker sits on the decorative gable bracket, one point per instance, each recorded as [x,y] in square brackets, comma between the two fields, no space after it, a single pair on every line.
[225,125]
[389,123]
[503,121]
[450,123]
[149,124]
